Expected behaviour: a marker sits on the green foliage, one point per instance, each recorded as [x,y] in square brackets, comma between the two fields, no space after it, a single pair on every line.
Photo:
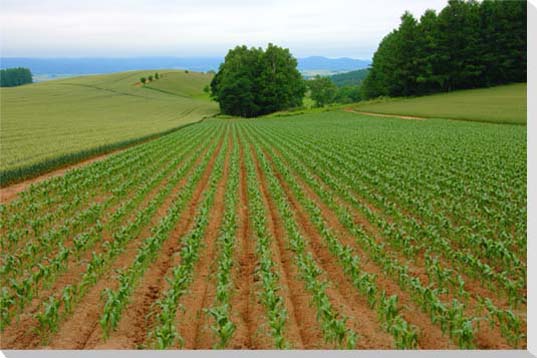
[150,78]
[12,77]
[143,80]
[322,90]
[468,44]
[156,75]
[253,82]
[352,78]
[348,94]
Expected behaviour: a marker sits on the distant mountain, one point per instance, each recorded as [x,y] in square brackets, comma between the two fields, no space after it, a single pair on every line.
[352,78]
[90,65]
[58,67]
[331,64]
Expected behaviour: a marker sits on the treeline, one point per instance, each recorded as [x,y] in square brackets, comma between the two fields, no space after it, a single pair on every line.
[253,81]
[468,44]
[12,77]
[352,78]
[323,91]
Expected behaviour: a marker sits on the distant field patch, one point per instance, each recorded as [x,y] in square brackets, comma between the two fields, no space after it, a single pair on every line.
[58,119]
[501,104]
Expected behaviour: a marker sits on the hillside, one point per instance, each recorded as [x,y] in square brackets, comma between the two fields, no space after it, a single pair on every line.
[352,78]
[77,117]
[500,104]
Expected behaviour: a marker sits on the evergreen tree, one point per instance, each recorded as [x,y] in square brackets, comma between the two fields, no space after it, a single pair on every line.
[468,44]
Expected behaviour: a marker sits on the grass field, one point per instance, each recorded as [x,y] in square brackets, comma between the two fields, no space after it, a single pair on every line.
[377,234]
[501,104]
[51,123]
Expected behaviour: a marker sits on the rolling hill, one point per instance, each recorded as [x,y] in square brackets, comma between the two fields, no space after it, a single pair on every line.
[500,104]
[48,124]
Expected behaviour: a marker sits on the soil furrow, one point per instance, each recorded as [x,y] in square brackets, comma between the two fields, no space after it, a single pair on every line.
[300,308]
[245,308]
[132,330]
[193,324]
[21,331]
[341,292]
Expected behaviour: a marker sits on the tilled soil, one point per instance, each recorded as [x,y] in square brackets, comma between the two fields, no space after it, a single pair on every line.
[80,329]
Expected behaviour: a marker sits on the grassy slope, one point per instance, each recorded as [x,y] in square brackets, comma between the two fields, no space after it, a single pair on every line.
[46,120]
[501,104]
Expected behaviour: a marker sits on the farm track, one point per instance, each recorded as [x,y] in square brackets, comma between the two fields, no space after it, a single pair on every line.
[178,193]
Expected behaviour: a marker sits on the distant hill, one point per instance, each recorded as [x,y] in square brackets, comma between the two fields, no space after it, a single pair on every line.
[66,120]
[352,78]
[48,68]
[332,64]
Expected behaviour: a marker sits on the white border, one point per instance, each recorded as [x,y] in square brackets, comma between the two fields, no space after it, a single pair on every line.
[532,178]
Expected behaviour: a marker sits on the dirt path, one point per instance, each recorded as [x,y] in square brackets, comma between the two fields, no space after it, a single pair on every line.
[10,192]
[384,115]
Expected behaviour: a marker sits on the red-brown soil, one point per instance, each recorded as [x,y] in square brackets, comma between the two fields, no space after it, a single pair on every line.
[81,330]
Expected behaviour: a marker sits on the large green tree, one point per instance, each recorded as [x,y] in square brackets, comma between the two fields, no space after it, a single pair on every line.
[322,90]
[11,77]
[468,44]
[253,81]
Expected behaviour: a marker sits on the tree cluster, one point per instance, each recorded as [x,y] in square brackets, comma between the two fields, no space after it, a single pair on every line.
[150,78]
[324,91]
[11,77]
[352,78]
[253,81]
[468,44]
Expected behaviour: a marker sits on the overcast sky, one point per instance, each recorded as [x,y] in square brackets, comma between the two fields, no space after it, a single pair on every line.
[189,28]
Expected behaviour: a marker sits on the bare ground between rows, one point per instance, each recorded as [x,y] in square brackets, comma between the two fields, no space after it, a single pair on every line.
[430,336]
[487,337]
[82,330]
[302,315]
[341,292]
[193,323]
[22,333]
[139,316]
[246,311]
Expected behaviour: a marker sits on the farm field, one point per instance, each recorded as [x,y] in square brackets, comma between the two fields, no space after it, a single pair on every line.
[49,124]
[499,104]
[233,233]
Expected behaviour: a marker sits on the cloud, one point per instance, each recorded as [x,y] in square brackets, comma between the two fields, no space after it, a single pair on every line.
[49,28]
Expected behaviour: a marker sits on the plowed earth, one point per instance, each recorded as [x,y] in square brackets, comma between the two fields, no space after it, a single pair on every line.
[215,142]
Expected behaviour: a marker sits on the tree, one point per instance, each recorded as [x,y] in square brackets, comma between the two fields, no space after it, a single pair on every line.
[150,78]
[322,90]
[156,75]
[11,77]
[253,81]
[468,44]
[143,80]
[347,94]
